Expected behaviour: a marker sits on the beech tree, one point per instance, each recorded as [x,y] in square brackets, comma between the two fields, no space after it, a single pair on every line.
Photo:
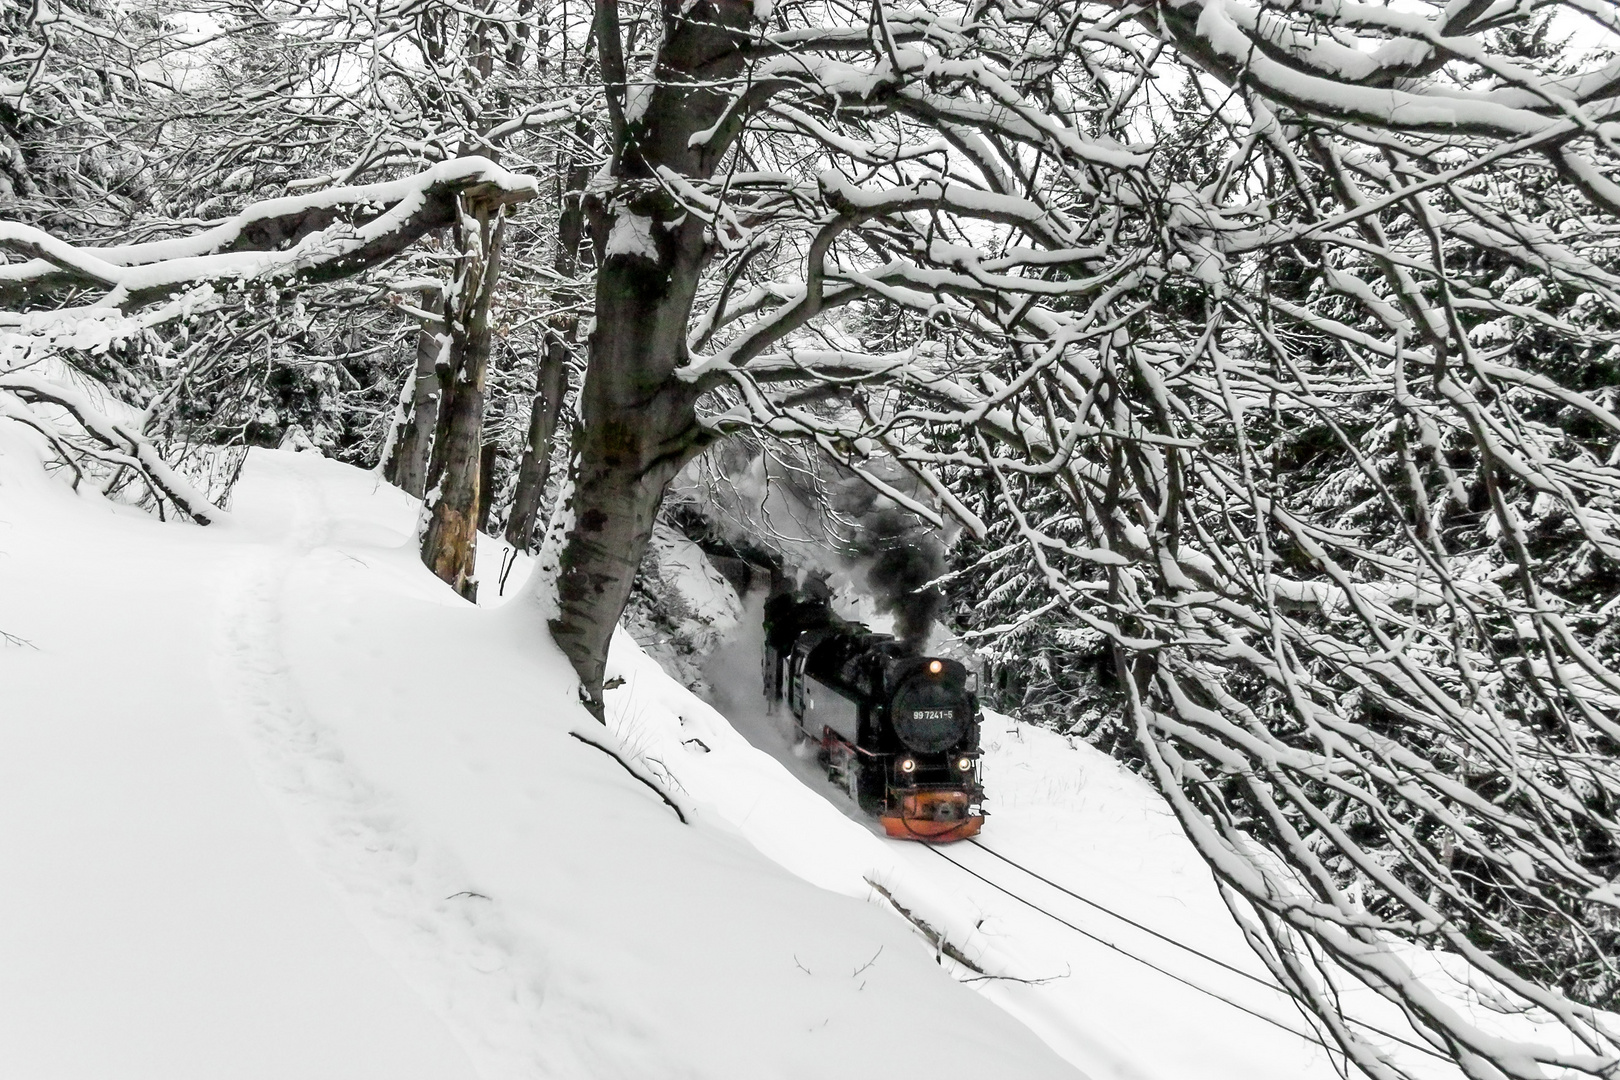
[1267,349]
[1376,691]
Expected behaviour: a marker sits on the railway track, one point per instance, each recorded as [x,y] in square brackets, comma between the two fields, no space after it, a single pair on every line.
[1307,1033]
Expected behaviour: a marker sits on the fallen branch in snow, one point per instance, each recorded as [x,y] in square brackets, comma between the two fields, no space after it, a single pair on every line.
[114,443]
[1014,978]
[939,941]
[633,771]
[19,642]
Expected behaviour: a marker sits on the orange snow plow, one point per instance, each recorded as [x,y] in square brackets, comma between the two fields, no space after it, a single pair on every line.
[935,816]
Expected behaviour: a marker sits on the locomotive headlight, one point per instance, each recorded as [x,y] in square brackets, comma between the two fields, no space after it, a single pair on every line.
[935,667]
[908,765]
[964,764]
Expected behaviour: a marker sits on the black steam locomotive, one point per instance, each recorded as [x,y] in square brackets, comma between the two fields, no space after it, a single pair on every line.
[899,730]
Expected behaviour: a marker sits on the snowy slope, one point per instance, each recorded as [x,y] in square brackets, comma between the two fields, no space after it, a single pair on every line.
[1059,807]
[273,803]
[1121,953]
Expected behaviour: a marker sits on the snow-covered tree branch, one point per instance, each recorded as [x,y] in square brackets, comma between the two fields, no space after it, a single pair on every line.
[291,242]
[1265,352]
[323,236]
[1291,384]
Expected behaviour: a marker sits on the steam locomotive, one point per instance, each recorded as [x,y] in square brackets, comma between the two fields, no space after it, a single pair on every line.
[900,731]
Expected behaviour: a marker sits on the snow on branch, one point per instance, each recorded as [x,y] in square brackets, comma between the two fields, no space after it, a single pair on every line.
[132,288]
[321,236]
[1297,398]
[114,443]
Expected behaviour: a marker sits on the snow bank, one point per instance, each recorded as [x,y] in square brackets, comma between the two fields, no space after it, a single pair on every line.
[681,607]
[274,803]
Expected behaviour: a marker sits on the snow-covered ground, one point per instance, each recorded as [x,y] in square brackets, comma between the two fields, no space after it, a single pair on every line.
[1074,816]
[275,803]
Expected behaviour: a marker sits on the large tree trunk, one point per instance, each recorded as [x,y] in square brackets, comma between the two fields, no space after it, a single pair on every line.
[407,467]
[535,468]
[450,531]
[637,427]
[638,421]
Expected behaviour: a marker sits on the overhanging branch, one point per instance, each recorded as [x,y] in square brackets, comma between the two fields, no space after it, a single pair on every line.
[312,238]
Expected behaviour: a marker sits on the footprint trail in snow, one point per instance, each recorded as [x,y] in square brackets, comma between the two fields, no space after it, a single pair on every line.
[448,940]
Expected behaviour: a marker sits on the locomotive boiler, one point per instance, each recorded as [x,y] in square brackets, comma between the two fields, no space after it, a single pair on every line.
[898,730]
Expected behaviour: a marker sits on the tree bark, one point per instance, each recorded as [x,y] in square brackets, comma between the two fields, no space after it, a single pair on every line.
[638,421]
[570,205]
[444,391]
[535,468]
[487,456]
[636,431]
[407,468]
[450,531]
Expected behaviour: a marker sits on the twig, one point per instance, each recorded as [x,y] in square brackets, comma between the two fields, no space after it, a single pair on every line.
[21,643]
[935,938]
[1016,979]
[656,790]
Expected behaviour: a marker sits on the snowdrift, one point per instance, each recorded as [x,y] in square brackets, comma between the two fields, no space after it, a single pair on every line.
[275,803]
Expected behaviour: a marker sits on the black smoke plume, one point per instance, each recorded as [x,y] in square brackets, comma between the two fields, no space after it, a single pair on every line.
[896,578]
[808,515]
[900,554]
